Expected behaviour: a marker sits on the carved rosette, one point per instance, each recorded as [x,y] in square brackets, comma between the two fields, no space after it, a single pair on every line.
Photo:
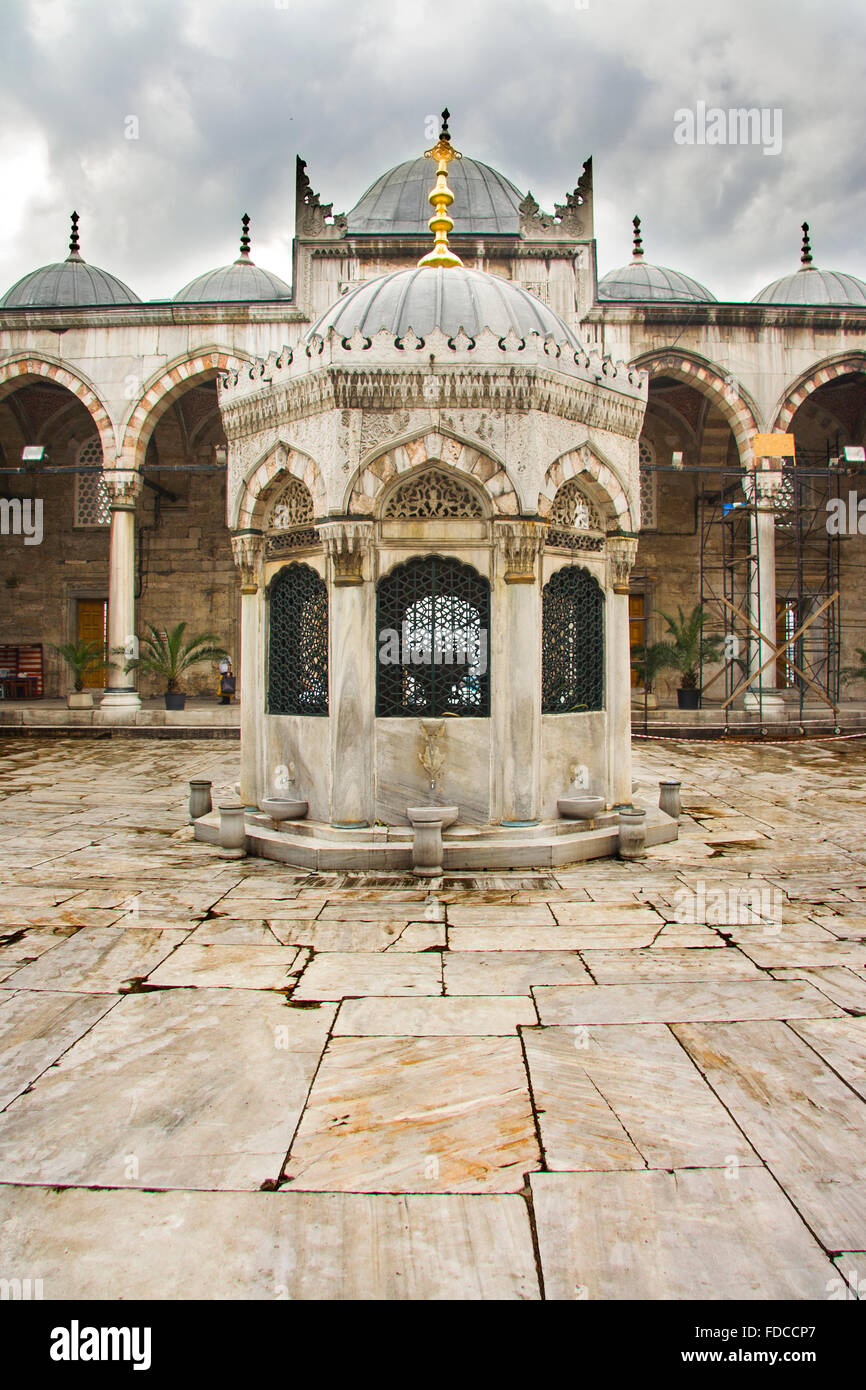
[347,543]
[621,552]
[521,543]
[123,487]
[247,548]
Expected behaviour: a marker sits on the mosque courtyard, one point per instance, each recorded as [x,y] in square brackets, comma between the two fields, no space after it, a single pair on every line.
[225,1079]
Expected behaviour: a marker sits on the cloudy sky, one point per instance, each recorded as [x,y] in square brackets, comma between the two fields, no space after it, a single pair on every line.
[225,92]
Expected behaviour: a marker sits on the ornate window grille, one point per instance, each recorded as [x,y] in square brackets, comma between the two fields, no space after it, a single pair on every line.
[572,643]
[298,642]
[574,522]
[92,502]
[293,507]
[648,487]
[433,630]
[432,493]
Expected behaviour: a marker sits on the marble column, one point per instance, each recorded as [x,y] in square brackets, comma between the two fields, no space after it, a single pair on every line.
[248,548]
[352,671]
[761,486]
[516,679]
[621,552]
[124,486]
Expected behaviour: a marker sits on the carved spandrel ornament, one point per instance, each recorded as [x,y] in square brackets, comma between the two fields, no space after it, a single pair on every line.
[432,494]
[521,543]
[247,549]
[347,543]
[621,553]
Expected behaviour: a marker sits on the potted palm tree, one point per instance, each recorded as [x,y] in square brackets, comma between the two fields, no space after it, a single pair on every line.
[648,662]
[687,651]
[164,653]
[83,659]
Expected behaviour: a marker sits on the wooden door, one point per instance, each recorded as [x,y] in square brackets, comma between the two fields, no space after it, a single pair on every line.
[93,627]
[636,629]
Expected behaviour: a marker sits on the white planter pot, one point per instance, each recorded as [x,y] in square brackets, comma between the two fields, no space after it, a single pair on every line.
[79,699]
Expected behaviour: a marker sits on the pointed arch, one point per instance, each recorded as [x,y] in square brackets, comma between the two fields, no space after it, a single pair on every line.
[364,494]
[818,375]
[23,368]
[602,482]
[158,394]
[728,395]
[281,460]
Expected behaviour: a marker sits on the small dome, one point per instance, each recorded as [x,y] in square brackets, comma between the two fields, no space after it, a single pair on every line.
[808,285]
[449,298]
[241,282]
[68,284]
[396,204]
[642,282]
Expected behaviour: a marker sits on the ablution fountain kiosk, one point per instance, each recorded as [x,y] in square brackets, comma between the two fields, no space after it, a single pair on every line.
[434,502]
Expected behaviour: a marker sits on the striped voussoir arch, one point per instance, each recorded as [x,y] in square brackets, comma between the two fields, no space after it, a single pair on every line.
[161,392]
[724,392]
[818,376]
[16,371]
[285,461]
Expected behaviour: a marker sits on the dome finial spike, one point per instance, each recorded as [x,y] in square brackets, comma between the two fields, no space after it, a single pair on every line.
[74,249]
[441,197]
[637,248]
[245,236]
[806,251]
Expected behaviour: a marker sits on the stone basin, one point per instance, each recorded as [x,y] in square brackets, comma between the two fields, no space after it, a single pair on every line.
[443,816]
[281,808]
[580,807]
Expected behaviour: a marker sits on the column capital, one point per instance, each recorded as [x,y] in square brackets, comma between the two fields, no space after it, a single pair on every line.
[520,542]
[247,549]
[762,485]
[347,543]
[621,553]
[124,486]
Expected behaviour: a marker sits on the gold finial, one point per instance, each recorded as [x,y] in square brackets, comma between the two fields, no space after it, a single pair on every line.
[441,197]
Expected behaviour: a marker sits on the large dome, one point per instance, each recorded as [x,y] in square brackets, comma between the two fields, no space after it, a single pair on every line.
[242,281]
[809,285]
[449,298]
[485,201]
[66,285]
[641,282]
[812,286]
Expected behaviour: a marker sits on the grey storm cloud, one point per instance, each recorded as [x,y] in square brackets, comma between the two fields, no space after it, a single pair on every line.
[226,93]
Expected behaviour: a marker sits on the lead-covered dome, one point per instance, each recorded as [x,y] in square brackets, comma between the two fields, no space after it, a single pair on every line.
[809,285]
[242,282]
[448,298]
[68,284]
[641,282]
[397,203]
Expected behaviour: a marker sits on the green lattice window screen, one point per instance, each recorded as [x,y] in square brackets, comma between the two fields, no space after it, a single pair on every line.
[572,643]
[433,608]
[298,642]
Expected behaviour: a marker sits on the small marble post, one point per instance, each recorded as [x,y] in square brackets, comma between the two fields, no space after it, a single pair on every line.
[233,837]
[200,803]
[669,797]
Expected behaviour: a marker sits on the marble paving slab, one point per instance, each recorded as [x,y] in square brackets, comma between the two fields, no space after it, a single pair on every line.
[606,914]
[180,1088]
[35,1029]
[358,936]
[806,1124]
[841,1042]
[415,1115]
[511,972]
[460,1017]
[228,966]
[23,944]
[500,915]
[371,912]
[645,967]
[625,1097]
[548,938]
[680,1002]
[691,1234]
[319,1246]
[344,974]
[773,954]
[98,959]
[843,986]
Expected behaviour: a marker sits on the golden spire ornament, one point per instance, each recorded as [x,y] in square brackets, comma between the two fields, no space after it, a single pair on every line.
[441,197]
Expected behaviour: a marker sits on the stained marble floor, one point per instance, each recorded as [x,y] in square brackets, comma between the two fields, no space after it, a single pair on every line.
[223,1079]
